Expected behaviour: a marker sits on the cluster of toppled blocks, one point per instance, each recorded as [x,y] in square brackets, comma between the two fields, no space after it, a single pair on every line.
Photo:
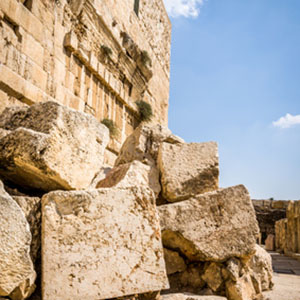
[155,222]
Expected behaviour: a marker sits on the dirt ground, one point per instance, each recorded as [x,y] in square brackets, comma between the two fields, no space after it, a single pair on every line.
[286,278]
[287,287]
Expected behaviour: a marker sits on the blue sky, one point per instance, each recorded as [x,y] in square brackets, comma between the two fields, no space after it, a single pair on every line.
[235,75]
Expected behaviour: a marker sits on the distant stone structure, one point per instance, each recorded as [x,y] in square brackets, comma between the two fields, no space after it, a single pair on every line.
[288,230]
[267,213]
[96,56]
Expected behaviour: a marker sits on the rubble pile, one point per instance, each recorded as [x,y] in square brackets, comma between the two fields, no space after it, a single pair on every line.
[156,225]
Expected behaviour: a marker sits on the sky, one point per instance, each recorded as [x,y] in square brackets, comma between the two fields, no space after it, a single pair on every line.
[235,79]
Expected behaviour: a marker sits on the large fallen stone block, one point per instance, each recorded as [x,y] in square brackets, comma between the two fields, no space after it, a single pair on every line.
[51,147]
[101,244]
[144,142]
[17,275]
[211,227]
[188,169]
[132,174]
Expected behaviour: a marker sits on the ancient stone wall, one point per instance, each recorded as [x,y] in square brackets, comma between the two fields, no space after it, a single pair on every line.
[96,56]
[267,213]
[288,230]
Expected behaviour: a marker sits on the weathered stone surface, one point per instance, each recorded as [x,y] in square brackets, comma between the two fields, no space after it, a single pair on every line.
[188,169]
[174,262]
[288,230]
[270,242]
[132,174]
[281,234]
[101,244]
[51,147]
[211,227]
[17,275]
[31,207]
[100,176]
[261,267]
[213,276]
[293,227]
[232,270]
[242,289]
[143,144]
[190,297]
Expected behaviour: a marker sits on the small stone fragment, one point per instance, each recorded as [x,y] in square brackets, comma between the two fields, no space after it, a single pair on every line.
[190,297]
[261,266]
[174,262]
[132,174]
[143,144]
[242,289]
[213,276]
[31,207]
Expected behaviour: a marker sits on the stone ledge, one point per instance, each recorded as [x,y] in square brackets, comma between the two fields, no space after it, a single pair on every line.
[14,85]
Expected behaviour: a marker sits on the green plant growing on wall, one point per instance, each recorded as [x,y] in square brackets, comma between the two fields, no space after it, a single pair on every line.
[113,129]
[146,60]
[145,111]
[106,50]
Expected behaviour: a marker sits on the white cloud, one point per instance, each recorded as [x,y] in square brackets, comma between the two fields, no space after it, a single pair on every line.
[287,121]
[185,8]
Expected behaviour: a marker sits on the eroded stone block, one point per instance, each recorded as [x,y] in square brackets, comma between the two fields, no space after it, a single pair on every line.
[188,169]
[211,227]
[101,244]
[51,147]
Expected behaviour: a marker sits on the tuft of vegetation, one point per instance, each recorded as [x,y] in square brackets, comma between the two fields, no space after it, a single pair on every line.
[106,50]
[110,124]
[145,110]
[146,60]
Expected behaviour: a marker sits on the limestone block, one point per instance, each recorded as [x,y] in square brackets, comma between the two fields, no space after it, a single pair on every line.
[214,226]
[144,142]
[188,169]
[270,242]
[132,174]
[33,49]
[281,234]
[17,275]
[241,290]
[51,147]
[174,262]
[31,207]
[233,269]
[213,276]
[190,297]
[71,41]
[293,227]
[101,244]
[261,267]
